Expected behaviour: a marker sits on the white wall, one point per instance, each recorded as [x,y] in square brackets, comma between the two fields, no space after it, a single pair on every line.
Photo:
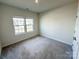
[7,29]
[59,23]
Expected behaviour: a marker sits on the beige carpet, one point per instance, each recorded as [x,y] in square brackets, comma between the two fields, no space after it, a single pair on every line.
[37,48]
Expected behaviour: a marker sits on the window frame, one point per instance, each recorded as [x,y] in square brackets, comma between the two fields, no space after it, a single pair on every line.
[25,26]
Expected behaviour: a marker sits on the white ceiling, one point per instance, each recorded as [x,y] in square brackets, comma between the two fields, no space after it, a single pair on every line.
[43,5]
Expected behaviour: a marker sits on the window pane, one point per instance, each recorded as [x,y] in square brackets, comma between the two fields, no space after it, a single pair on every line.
[18,21]
[29,21]
[29,28]
[19,29]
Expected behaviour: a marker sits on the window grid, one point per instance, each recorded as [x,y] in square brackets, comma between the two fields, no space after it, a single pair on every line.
[22,25]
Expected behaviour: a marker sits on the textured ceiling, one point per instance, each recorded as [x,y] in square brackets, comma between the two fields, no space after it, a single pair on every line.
[43,5]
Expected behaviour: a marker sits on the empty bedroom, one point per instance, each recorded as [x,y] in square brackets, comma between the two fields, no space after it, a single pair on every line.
[39,29]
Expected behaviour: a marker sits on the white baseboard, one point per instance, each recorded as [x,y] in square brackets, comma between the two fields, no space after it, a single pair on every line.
[51,37]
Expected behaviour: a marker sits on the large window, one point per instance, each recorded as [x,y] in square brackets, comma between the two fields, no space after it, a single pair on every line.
[22,25]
